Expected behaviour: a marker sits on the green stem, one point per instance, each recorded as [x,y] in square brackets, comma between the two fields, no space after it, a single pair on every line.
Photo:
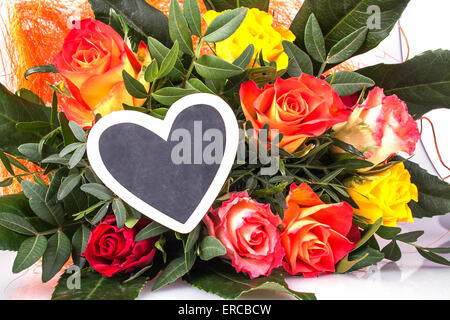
[189,72]
[322,68]
[26,174]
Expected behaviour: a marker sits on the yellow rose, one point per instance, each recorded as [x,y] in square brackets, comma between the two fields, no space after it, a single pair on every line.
[256,29]
[386,195]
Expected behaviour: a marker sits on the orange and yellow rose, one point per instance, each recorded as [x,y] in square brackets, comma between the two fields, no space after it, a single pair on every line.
[316,235]
[297,107]
[92,60]
[386,195]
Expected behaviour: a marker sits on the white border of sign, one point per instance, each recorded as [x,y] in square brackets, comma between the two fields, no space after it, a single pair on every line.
[163,128]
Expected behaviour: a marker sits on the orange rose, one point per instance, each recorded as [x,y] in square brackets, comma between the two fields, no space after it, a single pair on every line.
[316,235]
[91,61]
[297,107]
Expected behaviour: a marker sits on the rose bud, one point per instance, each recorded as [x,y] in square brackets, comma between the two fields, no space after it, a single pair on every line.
[111,250]
[380,127]
[92,60]
[249,232]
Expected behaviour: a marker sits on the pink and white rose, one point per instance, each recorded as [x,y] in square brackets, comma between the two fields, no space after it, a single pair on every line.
[249,232]
[380,127]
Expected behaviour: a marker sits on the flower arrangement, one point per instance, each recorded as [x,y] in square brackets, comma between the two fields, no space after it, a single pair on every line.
[339,183]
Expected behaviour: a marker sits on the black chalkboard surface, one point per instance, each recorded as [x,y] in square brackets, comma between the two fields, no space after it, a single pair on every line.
[170,170]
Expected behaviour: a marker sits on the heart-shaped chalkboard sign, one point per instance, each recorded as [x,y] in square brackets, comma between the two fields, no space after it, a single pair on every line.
[170,170]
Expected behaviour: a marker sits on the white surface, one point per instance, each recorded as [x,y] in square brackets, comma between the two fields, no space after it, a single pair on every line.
[425,24]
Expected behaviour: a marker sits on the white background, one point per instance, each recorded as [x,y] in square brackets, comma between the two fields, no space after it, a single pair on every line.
[426,25]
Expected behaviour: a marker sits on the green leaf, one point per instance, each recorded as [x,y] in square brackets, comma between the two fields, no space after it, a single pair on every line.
[10,240]
[68,185]
[54,112]
[14,110]
[77,156]
[134,87]
[30,151]
[79,243]
[346,47]
[50,68]
[151,73]
[17,164]
[197,85]
[299,61]
[179,29]
[31,250]
[346,83]
[371,257]
[32,126]
[212,67]
[314,41]
[29,96]
[224,25]
[388,233]
[56,255]
[154,229]
[159,52]
[94,286]
[6,163]
[192,238]
[14,204]
[70,148]
[434,194]
[51,212]
[169,61]
[193,17]
[77,131]
[120,212]
[210,248]
[159,113]
[422,82]
[246,57]
[347,147]
[392,251]
[221,5]
[169,95]
[351,164]
[338,19]
[221,279]
[17,224]
[101,214]
[6,183]
[174,270]
[410,236]
[373,228]
[143,19]
[438,249]
[433,257]
[17,204]
[97,190]
[68,136]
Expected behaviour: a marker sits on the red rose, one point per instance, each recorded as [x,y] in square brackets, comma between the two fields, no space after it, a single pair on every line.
[111,250]
[316,235]
[297,107]
[249,232]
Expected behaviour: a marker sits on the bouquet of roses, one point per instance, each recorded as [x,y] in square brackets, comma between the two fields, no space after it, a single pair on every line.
[338,184]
